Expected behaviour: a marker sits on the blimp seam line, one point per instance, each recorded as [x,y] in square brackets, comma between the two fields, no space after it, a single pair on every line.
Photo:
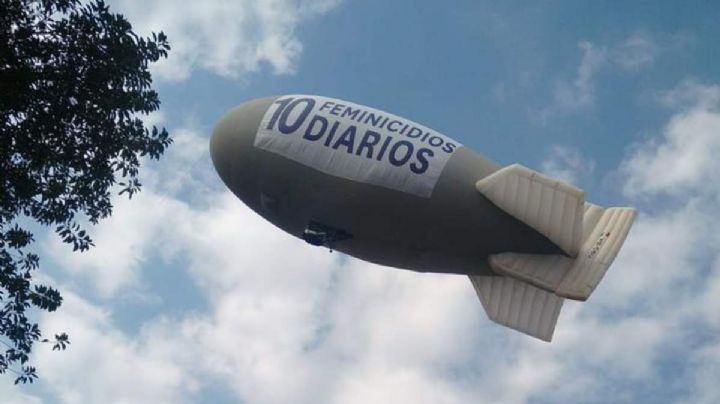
[524,197]
[526,314]
[506,298]
[536,196]
[496,296]
[565,229]
[536,311]
[518,296]
[525,299]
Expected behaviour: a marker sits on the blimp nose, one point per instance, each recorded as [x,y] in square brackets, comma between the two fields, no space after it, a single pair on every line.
[232,141]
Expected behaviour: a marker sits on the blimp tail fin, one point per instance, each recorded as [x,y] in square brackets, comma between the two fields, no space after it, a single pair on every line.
[551,207]
[519,305]
[576,278]
[545,271]
[599,250]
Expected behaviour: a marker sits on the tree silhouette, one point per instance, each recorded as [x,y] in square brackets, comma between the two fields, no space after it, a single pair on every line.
[74,85]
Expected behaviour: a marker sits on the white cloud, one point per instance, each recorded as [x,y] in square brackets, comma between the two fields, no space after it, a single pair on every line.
[185,167]
[635,53]
[11,394]
[571,95]
[147,224]
[580,92]
[683,161]
[656,263]
[673,254]
[705,376]
[123,242]
[692,94]
[709,301]
[104,365]
[568,164]
[228,38]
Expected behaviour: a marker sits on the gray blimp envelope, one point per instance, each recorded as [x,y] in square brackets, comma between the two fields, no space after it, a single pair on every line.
[393,192]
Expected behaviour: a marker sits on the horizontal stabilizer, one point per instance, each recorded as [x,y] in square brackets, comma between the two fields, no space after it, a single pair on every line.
[574,278]
[553,208]
[545,271]
[518,305]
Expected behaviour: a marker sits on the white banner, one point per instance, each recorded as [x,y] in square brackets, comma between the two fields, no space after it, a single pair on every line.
[355,142]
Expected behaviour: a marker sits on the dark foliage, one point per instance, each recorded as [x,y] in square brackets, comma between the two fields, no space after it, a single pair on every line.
[74,80]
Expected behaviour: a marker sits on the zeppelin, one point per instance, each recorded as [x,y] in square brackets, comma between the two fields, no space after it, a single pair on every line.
[390,191]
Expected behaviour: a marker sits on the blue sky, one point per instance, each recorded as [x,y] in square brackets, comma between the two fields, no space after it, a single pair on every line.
[190,297]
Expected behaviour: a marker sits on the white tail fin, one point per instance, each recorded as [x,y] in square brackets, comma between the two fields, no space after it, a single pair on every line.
[529,291]
[545,271]
[553,208]
[518,305]
[597,253]
[576,278]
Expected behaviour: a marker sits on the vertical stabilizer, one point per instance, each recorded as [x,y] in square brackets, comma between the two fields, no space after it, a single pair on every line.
[518,305]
